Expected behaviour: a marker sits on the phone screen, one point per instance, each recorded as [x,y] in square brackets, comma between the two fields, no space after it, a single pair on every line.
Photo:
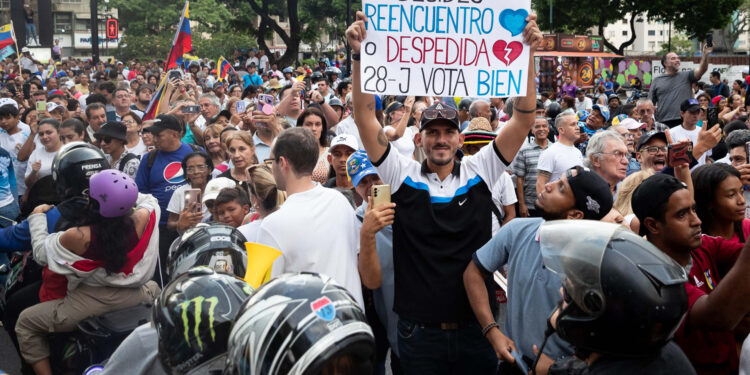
[191,109]
[41,106]
[192,199]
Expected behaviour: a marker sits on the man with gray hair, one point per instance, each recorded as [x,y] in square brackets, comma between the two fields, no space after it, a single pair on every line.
[607,156]
[210,106]
[645,109]
[562,155]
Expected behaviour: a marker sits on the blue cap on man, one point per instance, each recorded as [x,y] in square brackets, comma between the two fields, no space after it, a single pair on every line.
[358,167]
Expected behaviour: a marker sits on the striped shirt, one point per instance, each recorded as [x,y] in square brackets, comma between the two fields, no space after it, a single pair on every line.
[524,166]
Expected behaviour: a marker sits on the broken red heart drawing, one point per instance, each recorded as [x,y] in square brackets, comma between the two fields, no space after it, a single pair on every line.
[507,52]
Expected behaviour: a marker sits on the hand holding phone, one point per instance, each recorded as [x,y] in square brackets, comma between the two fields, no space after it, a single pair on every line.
[678,153]
[709,40]
[191,109]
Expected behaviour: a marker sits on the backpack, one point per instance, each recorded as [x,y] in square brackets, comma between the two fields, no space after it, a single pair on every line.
[127,158]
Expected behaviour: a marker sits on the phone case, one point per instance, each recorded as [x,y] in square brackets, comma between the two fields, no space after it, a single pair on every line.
[381,195]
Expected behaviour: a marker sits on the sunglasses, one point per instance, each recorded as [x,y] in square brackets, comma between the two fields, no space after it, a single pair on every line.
[446,113]
[106,139]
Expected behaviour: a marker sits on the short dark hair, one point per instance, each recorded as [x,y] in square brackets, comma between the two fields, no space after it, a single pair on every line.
[109,86]
[342,86]
[234,194]
[95,98]
[8,110]
[38,85]
[299,147]
[75,124]
[716,74]
[312,111]
[143,87]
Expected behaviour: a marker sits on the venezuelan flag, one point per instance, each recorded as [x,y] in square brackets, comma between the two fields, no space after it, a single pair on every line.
[224,68]
[6,36]
[182,42]
[153,105]
[52,73]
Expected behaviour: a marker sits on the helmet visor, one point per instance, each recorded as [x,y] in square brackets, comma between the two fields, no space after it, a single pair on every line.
[574,250]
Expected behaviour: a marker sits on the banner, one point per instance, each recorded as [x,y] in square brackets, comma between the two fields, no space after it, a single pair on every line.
[455,48]
[7,51]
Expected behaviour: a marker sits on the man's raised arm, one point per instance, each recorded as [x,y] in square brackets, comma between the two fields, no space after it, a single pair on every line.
[513,134]
[373,137]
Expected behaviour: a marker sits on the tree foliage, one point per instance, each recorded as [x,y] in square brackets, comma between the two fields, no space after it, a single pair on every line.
[738,25]
[695,18]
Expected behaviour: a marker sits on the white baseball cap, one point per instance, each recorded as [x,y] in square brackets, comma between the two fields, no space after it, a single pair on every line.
[632,124]
[8,101]
[345,140]
[51,106]
[215,186]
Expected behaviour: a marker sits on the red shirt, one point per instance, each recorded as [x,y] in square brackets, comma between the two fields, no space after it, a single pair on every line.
[710,352]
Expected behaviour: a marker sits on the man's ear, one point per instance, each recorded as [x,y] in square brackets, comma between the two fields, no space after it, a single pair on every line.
[574,214]
[652,225]
[418,139]
[461,138]
[330,159]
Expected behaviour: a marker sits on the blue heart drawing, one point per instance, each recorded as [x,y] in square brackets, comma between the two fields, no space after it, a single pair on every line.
[514,20]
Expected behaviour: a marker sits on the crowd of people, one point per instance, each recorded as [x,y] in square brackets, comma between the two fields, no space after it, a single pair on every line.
[376,227]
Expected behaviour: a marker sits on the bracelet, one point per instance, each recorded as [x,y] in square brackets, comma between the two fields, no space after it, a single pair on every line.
[488,327]
[355,56]
[524,110]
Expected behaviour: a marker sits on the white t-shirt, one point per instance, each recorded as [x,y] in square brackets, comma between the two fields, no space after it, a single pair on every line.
[250,230]
[263,63]
[12,144]
[405,144]
[46,157]
[679,133]
[503,194]
[586,104]
[557,159]
[315,231]
[251,60]
[140,149]
[177,202]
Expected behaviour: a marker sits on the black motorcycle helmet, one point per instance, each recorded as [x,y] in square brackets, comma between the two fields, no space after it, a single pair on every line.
[316,76]
[72,167]
[625,297]
[217,246]
[553,110]
[193,316]
[299,324]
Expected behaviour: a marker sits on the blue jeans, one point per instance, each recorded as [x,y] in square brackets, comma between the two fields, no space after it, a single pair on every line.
[31,33]
[427,350]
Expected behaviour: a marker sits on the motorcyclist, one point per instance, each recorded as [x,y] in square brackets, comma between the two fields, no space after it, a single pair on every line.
[72,167]
[301,323]
[623,299]
[191,322]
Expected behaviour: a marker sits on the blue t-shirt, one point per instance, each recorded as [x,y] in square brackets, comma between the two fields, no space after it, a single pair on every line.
[251,79]
[608,88]
[533,290]
[8,189]
[164,178]
[378,103]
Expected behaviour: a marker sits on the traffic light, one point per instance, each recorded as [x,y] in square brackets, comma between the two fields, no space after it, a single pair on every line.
[112,28]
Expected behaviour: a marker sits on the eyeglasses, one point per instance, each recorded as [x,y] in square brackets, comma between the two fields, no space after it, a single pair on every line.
[197,168]
[128,122]
[654,149]
[269,161]
[446,113]
[616,154]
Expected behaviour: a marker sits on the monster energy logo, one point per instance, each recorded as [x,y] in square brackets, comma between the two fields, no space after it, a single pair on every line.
[213,302]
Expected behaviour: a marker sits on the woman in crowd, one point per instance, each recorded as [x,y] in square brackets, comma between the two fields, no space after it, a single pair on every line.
[73,130]
[397,132]
[135,144]
[568,103]
[265,198]
[40,161]
[314,120]
[737,87]
[704,100]
[216,149]
[197,167]
[734,109]
[720,203]
[231,106]
[29,117]
[106,233]
[235,91]
[625,195]
[242,153]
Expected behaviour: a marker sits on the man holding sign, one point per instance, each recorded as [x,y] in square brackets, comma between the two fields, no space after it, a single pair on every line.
[442,206]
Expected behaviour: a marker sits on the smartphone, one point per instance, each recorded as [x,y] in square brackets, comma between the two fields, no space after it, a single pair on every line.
[747,153]
[191,109]
[709,40]
[519,362]
[381,195]
[193,196]
[265,104]
[678,153]
[26,90]
[241,106]
[174,74]
[41,106]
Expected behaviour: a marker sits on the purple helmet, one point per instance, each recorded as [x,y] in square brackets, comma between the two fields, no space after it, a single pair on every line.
[115,191]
